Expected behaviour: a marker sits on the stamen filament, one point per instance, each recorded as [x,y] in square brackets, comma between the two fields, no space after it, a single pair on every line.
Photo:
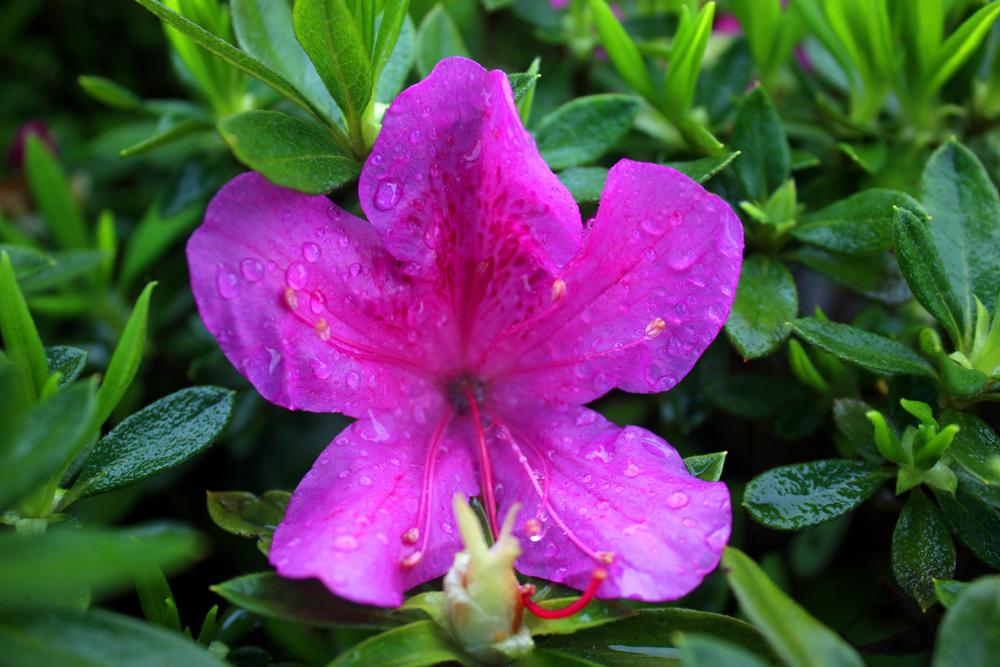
[484,462]
[597,577]
[558,292]
[422,530]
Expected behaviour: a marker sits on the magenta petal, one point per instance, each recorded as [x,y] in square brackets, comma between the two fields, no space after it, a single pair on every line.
[619,490]
[661,247]
[264,249]
[346,519]
[455,181]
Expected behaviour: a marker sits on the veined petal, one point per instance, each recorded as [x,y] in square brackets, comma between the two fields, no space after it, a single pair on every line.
[458,192]
[307,304]
[596,487]
[346,520]
[649,291]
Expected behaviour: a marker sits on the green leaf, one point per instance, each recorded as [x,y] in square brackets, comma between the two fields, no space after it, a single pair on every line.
[300,601]
[877,276]
[813,549]
[925,274]
[766,299]
[974,522]
[38,570]
[794,634]
[967,635]
[66,266]
[948,591]
[37,442]
[66,360]
[546,658]
[21,342]
[976,446]
[959,46]
[706,467]
[648,635]
[523,87]
[400,63]
[247,515]
[329,36]
[704,168]
[598,612]
[849,416]
[125,359]
[922,550]
[806,494]
[156,598]
[53,196]
[288,151]
[755,396]
[857,225]
[413,645]
[584,129]
[707,651]
[862,348]
[25,261]
[585,183]
[95,638]
[153,235]
[965,223]
[110,93]
[623,52]
[686,55]
[158,437]
[437,38]
[871,157]
[390,26]
[759,136]
[168,130]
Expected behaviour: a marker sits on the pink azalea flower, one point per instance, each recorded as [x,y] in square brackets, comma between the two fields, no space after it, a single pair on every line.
[465,325]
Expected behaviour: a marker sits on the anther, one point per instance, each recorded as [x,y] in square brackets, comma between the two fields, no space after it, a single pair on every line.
[322,330]
[597,577]
[412,560]
[411,536]
[655,328]
[291,299]
[532,527]
[526,590]
[558,290]
[606,557]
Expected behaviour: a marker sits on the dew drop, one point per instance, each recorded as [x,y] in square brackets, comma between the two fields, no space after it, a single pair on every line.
[676,219]
[345,543]
[551,550]
[227,283]
[365,481]
[252,269]
[320,370]
[447,528]
[632,471]
[311,251]
[435,170]
[718,539]
[655,224]
[415,136]
[680,260]
[715,311]
[297,275]
[344,474]
[387,195]
[689,523]
[677,500]
[650,254]
[353,380]
[343,241]
[316,302]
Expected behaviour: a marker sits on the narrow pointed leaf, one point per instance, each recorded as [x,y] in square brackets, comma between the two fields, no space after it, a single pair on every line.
[438,38]
[51,192]
[21,342]
[862,348]
[967,635]
[623,52]
[857,225]
[922,549]
[584,129]
[759,136]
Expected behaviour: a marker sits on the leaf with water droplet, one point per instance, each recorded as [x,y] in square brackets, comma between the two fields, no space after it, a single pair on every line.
[248,515]
[766,299]
[706,467]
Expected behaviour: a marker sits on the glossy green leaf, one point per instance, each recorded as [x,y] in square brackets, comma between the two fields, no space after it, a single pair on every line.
[156,598]
[766,300]
[585,183]
[648,635]
[862,348]
[264,30]
[871,156]
[21,342]
[584,129]
[301,601]
[759,136]
[125,359]
[597,613]
[158,437]
[37,442]
[153,236]
[95,638]
[755,396]
[25,261]
[921,264]
[549,658]
[686,54]
[525,98]
[168,130]
[51,192]
[397,69]
[849,416]
[806,494]
[288,151]
[877,276]
[66,360]
[706,651]
[704,168]
[948,591]
[958,48]
[857,225]
[247,515]
[413,645]
[110,93]
[793,633]
[38,570]
[623,52]
[967,635]
[922,549]
[976,447]
[813,549]
[974,522]
[965,224]
[706,467]
[329,36]
[437,38]
[389,28]
[66,267]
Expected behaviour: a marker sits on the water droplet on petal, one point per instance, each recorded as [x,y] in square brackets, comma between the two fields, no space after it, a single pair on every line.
[387,195]
[316,302]
[677,500]
[365,481]
[297,275]
[689,523]
[345,543]
[718,539]
[227,283]
[680,260]
[320,370]
[343,241]
[415,136]
[252,269]
[355,269]
[632,471]
[551,550]
[344,474]
[353,380]
[311,251]
[435,170]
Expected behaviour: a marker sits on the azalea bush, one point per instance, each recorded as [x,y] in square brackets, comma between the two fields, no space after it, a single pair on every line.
[386,332]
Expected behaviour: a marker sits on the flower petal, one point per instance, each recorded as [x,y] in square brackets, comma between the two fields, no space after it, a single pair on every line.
[263,249]
[455,183]
[660,247]
[346,519]
[620,490]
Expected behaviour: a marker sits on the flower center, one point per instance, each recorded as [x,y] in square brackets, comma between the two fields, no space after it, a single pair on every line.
[458,391]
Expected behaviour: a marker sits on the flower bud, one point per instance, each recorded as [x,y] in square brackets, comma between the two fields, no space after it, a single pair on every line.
[482,596]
